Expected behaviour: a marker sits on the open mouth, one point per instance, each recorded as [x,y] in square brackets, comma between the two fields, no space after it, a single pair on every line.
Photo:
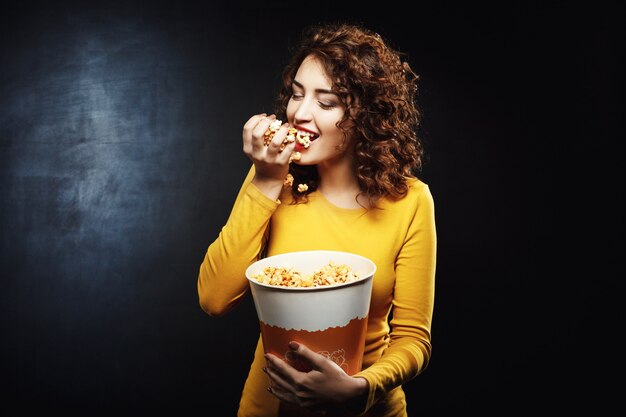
[304,139]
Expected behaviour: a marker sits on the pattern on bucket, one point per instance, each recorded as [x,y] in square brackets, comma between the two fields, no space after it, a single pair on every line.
[344,345]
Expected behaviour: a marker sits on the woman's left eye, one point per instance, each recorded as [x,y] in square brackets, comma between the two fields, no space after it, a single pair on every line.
[326,105]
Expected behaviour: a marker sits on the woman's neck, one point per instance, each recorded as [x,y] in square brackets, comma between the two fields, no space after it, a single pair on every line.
[338,183]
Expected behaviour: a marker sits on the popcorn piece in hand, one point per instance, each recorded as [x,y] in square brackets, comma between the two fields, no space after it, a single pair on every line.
[291,135]
[288,180]
[271,131]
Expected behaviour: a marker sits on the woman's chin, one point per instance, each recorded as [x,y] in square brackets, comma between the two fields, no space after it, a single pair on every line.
[302,161]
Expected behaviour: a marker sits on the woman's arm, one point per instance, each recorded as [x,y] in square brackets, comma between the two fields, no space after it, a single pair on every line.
[221,279]
[413,303]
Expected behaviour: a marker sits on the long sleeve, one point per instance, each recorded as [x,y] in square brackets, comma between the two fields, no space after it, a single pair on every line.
[409,348]
[221,279]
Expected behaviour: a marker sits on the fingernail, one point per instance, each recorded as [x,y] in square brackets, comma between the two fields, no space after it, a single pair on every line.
[264,369]
[293,345]
[290,356]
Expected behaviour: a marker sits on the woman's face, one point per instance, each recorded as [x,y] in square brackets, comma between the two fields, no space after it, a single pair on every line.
[313,108]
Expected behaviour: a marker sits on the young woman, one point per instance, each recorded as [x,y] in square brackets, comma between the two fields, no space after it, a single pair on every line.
[354,99]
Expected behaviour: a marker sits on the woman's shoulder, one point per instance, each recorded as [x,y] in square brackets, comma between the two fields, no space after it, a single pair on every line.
[417,201]
[417,189]
[418,194]
[415,184]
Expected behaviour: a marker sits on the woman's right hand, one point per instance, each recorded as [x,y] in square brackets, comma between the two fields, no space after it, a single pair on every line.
[270,163]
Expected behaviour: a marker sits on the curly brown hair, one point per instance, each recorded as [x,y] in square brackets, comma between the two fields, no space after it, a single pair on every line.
[378,90]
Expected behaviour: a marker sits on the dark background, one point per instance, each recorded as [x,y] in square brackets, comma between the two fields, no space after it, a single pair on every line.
[120,157]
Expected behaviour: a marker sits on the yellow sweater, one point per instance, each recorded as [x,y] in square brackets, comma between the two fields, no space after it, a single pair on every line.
[400,239]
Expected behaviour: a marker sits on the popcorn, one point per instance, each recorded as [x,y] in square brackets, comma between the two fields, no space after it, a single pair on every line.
[271,131]
[304,141]
[295,157]
[330,274]
[293,135]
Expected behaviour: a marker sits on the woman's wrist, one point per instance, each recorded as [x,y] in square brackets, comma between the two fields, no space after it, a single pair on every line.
[270,187]
[359,392]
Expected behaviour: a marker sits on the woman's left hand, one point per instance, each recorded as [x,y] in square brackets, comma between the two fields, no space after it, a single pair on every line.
[326,386]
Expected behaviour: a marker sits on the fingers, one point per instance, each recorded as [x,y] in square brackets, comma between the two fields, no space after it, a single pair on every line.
[277,145]
[271,160]
[287,383]
[276,380]
[263,124]
[252,139]
[255,141]
[279,370]
[316,360]
[292,386]
[248,127]
[259,130]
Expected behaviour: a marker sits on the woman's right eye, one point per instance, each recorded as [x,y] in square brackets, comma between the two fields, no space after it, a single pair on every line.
[296,96]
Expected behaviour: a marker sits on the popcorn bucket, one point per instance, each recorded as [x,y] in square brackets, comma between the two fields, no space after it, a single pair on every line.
[330,320]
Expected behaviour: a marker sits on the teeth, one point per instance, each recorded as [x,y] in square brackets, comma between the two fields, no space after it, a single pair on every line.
[304,133]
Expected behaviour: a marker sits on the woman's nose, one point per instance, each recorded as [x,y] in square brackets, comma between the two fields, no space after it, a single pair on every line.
[303,112]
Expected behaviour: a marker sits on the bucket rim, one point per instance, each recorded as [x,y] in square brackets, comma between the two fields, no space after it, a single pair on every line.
[361,280]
